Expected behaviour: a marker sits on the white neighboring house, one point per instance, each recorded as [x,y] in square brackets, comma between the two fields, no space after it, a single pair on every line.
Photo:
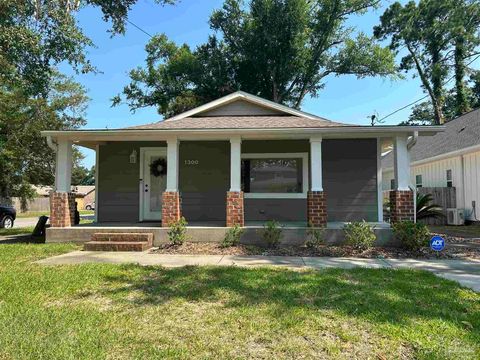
[447,159]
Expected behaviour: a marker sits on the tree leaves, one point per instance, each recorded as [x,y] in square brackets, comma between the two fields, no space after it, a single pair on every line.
[277,49]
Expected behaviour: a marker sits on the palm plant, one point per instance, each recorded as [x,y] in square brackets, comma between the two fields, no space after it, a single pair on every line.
[425,208]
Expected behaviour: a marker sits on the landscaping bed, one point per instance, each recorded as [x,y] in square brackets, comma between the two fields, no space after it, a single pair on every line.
[193,248]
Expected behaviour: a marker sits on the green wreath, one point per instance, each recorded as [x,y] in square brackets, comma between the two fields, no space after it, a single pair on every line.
[158,167]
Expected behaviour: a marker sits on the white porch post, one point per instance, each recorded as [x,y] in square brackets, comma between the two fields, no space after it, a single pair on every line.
[172,165]
[316,163]
[379,179]
[97,162]
[401,163]
[63,168]
[235,164]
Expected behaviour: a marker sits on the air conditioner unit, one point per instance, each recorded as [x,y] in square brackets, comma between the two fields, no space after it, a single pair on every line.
[455,217]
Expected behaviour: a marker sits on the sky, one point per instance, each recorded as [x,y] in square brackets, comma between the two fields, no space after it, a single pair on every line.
[345,98]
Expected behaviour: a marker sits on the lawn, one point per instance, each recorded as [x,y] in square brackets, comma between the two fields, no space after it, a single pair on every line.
[466,231]
[98,311]
[17,231]
[47,213]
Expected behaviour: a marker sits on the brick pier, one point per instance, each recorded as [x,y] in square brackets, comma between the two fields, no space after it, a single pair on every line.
[170,208]
[235,208]
[401,205]
[62,209]
[316,209]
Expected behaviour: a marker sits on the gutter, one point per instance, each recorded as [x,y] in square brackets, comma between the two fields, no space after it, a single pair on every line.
[413,140]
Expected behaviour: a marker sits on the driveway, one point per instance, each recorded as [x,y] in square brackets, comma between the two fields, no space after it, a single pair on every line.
[466,272]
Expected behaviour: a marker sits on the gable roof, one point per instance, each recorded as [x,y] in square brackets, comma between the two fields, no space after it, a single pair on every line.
[460,133]
[243,96]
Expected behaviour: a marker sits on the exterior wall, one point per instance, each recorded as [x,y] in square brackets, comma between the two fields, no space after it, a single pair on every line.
[471,191]
[118,181]
[350,179]
[240,107]
[465,176]
[285,210]
[204,179]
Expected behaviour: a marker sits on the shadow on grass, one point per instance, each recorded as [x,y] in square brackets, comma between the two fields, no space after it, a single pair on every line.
[393,296]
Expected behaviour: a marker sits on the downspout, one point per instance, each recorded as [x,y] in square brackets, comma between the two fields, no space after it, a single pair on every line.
[411,144]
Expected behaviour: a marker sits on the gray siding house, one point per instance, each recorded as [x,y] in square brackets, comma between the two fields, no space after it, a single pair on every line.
[240,160]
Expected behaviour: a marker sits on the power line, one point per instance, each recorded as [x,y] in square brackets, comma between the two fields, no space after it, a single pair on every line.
[139,28]
[424,97]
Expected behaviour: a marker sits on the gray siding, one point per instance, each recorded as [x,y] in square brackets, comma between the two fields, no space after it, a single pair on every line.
[350,179]
[240,108]
[118,181]
[203,186]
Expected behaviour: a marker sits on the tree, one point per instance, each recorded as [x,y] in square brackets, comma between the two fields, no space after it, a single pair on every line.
[281,50]
[421,30]
[24,156]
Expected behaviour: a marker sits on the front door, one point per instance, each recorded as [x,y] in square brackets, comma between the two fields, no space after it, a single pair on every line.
[153,175]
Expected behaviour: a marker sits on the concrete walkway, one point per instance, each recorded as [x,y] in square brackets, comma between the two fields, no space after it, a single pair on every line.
[466,272]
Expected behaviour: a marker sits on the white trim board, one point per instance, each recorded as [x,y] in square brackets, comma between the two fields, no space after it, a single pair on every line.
[305,175]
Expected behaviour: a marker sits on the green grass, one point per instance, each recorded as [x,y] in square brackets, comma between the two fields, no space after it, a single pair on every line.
[98,311]
[47,213]
[17,231]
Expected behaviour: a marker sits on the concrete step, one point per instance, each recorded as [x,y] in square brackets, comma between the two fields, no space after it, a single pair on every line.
[117,246]
[123,237]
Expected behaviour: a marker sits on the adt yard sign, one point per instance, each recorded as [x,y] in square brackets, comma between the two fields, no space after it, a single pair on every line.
[437,243]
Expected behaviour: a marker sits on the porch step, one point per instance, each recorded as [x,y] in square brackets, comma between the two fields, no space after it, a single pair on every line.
[116,246]
[122,237]
[119,242]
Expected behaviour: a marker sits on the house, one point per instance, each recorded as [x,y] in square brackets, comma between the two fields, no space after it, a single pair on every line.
[447,159]
[239,160]
[84,195]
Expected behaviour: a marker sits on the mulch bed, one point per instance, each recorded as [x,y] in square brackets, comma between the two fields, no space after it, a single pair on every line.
[450,252]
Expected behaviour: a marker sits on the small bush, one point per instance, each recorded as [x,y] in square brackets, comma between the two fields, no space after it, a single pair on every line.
[315,237]
[177,234]
[412,236]
[360,235]
[232,237]
[272,233]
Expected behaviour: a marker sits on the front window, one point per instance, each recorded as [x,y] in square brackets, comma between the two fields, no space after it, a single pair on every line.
[418,181]
[392,184]
[449,178]
[274,175]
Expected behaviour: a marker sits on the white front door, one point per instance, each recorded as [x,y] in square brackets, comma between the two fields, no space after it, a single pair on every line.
[153,182]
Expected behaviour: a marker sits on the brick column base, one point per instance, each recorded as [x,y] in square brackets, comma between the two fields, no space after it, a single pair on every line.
[317,209]
[401,206]
[170,208]
[62,209]
[235,208]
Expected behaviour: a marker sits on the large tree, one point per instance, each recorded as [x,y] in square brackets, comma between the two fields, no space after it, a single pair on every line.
[281,50]
[35,37]
[432,38]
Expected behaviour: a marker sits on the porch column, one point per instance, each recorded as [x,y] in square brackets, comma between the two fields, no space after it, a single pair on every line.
[171,197]
[380,142]
[235,203]
[401,198]
[316,199]
[62,200]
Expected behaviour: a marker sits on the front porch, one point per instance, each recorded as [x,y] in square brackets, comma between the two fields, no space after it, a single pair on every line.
[293,234]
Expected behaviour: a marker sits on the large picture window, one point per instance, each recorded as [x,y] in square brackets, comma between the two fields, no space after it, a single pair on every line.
[274,175]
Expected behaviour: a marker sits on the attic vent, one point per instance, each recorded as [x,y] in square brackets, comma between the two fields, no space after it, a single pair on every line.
[459,131]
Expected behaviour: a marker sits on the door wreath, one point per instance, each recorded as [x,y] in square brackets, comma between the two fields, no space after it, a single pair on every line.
[158,167]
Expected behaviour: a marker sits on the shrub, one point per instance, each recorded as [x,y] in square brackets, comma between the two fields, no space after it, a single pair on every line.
[315,237]
[232,237]
[272,233]
[360,235]
[177,234]
[412,236]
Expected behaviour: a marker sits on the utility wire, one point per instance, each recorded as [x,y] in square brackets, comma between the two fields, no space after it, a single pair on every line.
[139,28]
[424,97]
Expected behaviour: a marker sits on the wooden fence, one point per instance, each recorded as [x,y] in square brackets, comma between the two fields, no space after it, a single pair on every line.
[36,204]
[445,197]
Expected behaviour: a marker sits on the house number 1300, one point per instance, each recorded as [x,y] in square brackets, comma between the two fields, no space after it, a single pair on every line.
[191,162]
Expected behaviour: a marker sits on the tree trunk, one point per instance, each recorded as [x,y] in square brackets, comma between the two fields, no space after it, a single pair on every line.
[462,105]
[437,87]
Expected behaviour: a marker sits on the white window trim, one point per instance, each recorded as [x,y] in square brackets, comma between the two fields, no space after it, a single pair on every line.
[305,175]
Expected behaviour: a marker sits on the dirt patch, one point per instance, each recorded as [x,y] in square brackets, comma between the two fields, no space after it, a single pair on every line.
[450,252]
